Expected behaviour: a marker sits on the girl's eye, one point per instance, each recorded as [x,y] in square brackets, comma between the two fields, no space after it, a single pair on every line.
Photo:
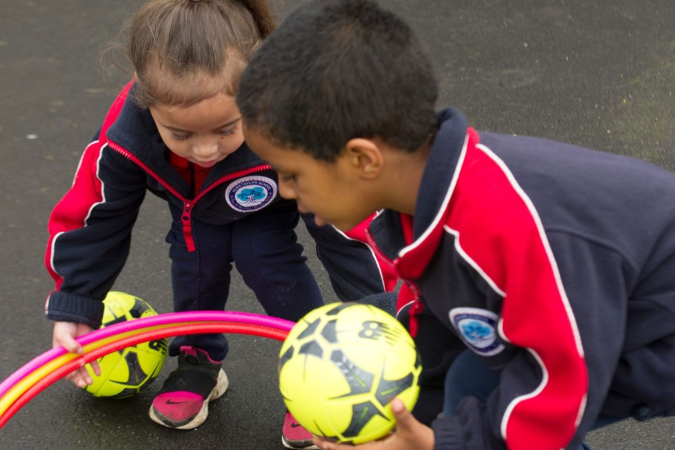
[179,137]
[228,132]
[287,178]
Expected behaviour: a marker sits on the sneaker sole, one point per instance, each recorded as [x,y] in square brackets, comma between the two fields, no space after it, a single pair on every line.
[288,444]
[200,417]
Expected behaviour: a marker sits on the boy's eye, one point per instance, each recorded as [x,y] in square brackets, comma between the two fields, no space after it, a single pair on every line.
[287,178]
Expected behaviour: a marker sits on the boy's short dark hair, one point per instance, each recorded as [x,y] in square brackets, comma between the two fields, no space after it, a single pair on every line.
[336,70]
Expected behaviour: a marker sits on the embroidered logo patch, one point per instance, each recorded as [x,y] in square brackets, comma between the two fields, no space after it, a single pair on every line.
[478,329]
[250,193]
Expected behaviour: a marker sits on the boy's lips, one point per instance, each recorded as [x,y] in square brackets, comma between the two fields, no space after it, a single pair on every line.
[319,221]
[301,209]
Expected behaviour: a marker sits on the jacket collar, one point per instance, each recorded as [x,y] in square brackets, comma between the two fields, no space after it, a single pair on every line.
[411,258]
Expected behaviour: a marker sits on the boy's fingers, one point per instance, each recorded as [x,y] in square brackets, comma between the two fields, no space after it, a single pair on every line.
[409,428]
[325,444]
[405,423]
[322,443]
[401,413]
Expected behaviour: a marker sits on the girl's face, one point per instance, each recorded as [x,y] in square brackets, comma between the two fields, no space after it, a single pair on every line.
[204,133]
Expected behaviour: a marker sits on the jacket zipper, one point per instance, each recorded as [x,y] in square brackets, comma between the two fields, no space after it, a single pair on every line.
[188,205]
[417,306]
[376,249]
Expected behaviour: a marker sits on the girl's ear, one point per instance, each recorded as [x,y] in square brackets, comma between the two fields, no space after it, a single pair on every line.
[364,156]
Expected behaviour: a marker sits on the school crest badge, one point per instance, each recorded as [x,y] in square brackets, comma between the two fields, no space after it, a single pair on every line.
[478,329]
[251,193]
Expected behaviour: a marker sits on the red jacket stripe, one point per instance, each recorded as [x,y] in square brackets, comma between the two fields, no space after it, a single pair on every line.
[72,211]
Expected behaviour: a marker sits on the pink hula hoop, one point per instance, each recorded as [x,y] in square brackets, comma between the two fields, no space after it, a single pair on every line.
[145,322]
[241,327]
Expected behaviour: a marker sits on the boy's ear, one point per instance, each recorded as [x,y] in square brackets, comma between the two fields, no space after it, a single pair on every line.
[365,156]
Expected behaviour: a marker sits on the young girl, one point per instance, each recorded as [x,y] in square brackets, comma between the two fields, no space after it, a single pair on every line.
[175,130]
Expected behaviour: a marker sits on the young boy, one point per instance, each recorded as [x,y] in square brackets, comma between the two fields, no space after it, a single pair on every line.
[544,272]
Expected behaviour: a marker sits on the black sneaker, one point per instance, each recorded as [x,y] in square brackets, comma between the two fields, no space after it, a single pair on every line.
[183,401]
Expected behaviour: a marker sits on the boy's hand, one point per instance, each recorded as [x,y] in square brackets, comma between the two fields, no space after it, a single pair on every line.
[409,434]
[64,336]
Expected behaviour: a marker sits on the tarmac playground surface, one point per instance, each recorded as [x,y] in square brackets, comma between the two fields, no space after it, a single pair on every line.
[595,73]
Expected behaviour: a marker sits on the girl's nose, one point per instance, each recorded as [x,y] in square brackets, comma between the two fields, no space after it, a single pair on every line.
[205,148]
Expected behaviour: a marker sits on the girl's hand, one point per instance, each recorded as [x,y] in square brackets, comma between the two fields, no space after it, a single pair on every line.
[64,336]
[409,434]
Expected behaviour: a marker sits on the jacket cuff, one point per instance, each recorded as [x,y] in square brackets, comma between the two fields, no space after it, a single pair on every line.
[447,434]
[386,301]
[64,307]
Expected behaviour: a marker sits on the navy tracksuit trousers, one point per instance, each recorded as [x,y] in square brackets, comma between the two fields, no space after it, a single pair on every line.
[263,246]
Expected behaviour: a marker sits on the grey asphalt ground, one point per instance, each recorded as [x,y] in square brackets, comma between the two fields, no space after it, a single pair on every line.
[598,73]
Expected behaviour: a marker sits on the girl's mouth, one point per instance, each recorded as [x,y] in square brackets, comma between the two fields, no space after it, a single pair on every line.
[206,164]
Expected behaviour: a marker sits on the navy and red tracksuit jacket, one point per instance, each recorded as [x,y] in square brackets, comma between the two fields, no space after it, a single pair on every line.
[90,228]
[556,265]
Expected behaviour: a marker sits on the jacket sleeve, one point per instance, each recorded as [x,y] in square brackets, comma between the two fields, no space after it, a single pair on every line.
[90,234]
[549,395]
[354,269]
[437,347]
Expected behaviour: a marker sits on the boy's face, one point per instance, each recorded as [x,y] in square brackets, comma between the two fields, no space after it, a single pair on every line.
[329,190]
